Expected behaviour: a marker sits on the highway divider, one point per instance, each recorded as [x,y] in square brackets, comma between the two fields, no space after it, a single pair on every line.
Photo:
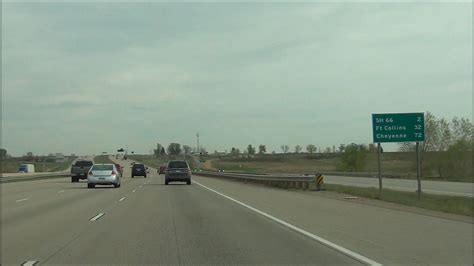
[18,178]
[304,182]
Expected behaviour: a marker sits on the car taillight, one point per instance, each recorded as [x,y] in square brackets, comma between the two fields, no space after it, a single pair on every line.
[114,173]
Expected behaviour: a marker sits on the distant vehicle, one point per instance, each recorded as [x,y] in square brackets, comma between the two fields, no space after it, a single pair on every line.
[162,170]
[79,170]
[26,168]
[139,169]
[119,168]
[125,157]
[103,174]
[178,171]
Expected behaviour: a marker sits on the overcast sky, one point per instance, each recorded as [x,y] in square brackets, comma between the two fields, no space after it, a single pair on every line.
[86,78]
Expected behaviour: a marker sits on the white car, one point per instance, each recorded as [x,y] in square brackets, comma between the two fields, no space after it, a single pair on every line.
[103,174]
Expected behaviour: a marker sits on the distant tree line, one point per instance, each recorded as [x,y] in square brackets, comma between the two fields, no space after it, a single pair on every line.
[449,143]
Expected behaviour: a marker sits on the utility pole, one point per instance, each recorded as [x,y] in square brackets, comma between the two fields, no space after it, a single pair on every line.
[198,149]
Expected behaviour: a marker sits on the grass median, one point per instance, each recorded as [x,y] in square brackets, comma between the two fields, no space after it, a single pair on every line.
[448,204]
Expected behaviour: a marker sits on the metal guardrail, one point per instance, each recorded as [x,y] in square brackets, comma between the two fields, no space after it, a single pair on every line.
[286,181]
[354,174]
[370,174]
[7,179]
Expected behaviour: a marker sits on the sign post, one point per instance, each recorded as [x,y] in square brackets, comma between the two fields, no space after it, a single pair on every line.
[399,127]
[418,169]
[380,172]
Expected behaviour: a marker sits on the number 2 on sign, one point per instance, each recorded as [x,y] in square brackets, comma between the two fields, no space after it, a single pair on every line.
[417,135]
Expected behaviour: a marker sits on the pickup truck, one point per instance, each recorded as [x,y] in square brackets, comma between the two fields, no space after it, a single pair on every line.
[80,170]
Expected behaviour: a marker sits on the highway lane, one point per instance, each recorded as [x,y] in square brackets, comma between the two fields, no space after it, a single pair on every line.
[145,222]
[434,187]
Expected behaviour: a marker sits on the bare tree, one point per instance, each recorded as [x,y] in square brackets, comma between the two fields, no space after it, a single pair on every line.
[174,149]
[187,149]
[250,149]
[298,148]
[311,148]
[262,149]
[285,148]
[342,147]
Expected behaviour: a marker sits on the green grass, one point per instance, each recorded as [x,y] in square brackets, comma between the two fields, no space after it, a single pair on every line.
[448,204]
[391,162]
[102,159]
[11,165]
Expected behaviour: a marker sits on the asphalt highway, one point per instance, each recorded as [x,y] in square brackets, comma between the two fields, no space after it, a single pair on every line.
[56,222]
[214,221]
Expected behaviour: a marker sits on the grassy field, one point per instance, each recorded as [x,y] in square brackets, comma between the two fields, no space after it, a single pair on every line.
[11,165]
[102,159]
[391,162]
[448,204]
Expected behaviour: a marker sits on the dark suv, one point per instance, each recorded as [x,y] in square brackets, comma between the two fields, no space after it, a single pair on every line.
[178,171]
[139,170]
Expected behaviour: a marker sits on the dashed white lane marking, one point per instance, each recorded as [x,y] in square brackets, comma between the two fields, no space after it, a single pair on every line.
[140,186]
[61,191]
[134,190]
[20,200]
[121,199]
[30,263]
[321,240]
[97,217]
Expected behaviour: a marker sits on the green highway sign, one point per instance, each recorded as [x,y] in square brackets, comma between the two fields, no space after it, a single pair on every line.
[402,127]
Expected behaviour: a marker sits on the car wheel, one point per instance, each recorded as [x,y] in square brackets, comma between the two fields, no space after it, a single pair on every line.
[116,185]
[166,182]
[89,185]
[133,176]
[145,176]
[73,180]
[188,182]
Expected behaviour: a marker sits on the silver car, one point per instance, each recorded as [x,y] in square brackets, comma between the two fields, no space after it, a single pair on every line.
[103,174]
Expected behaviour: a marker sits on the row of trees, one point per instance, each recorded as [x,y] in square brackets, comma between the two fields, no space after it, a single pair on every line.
[310,148]
[447,147]
[174,149]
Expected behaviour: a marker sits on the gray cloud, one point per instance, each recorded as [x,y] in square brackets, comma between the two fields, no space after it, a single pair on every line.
[98,76]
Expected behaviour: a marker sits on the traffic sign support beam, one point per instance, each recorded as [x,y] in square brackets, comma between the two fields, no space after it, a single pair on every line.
[380,171]
[418,177]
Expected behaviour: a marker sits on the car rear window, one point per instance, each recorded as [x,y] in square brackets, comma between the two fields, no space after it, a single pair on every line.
[178,164]
[83,163]
[102,167]
[138,166]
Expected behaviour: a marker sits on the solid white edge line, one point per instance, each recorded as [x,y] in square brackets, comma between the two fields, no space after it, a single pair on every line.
[61,191]
[321,240]
[30,263]
[134,190]
[121,199]
[97,217]
[20,200]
